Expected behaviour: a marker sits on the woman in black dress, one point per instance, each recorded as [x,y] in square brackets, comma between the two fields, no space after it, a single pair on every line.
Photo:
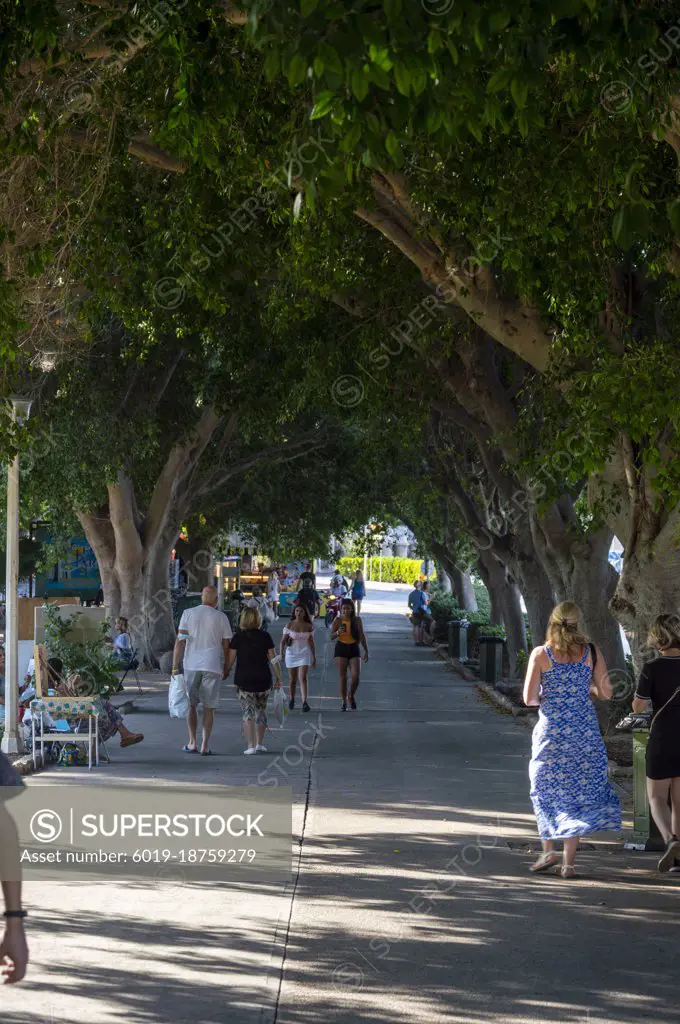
[253,650]
[659,684]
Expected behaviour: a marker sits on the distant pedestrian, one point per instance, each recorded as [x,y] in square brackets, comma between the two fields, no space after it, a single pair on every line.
[570,787]
[253,651]
[349,632]
[259,601]
[297,644]
[273,590]
[659,684]
[358,592]
[203,641]
[307,574]
[309,599]
[416,603]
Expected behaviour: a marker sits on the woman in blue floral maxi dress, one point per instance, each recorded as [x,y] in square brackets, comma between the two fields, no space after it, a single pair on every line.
[570,788]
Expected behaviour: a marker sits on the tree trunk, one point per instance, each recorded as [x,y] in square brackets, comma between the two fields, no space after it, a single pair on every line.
[463,589]
[492,574]
[444,580]
[513,620]
[537,593]
[461,584]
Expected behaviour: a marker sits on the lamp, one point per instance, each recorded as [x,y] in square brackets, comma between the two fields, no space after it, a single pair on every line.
[21,408]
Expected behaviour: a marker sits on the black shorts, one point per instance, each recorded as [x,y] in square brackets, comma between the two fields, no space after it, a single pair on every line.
[346,650]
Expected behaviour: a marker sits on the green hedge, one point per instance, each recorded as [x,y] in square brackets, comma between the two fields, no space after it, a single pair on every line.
[394,570]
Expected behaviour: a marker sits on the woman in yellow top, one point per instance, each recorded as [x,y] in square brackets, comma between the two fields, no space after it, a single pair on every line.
[349,632]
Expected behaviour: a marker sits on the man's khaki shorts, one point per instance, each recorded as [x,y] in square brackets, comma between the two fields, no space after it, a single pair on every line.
[203,688]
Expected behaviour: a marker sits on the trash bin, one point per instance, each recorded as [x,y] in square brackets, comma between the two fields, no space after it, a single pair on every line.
[646,835]
[491,658]
[458,639]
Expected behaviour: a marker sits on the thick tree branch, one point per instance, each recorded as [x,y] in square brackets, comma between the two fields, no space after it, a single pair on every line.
[144,149]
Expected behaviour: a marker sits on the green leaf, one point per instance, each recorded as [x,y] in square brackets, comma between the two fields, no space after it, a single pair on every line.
[403,79]
[523,123]
[323,103]
[380,77]
[359,84]
[475,129]
[621,228]
[520,90]
[453,50]
[297,69]
[434,41]
[272,64]
[394,149]
[499,21]
[307,6]
[318,66]
[639,219]
[499,80]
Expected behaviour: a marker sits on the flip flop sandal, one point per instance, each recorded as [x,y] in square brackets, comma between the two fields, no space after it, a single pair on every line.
[544,863]
[568,871]
[206,753]
[189,750]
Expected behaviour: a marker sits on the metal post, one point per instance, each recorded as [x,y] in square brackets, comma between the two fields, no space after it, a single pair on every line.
[10,739]
[365,552]
[381,565]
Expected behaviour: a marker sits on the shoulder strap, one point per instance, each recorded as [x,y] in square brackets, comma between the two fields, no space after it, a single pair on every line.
[593,651]
[550,654]
[669,701]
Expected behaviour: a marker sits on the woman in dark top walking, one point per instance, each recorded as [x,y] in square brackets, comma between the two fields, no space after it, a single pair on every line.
[253,650]
[659,684]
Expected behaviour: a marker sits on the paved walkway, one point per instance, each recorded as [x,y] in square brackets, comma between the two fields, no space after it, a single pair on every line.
[410,899]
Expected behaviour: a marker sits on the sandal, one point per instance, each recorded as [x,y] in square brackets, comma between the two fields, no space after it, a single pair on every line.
[136,737]
[546,861]
[568,871]
[189,750]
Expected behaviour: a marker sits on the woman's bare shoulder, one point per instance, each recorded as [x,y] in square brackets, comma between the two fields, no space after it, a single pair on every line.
[539,656]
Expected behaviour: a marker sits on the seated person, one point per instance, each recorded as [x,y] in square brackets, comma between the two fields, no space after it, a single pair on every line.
[122,644]
[110,720]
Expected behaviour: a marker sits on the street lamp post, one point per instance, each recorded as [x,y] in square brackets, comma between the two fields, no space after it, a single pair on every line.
[11,741]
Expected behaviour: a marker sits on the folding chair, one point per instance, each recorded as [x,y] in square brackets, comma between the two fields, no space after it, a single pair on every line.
[132,667]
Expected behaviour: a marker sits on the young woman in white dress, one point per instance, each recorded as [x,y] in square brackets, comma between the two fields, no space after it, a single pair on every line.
[297,644]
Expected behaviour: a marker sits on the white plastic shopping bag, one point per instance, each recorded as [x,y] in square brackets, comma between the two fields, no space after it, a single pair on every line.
[279,707]
[178,698]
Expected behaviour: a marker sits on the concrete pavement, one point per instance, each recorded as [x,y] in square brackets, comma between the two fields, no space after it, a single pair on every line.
[410,898]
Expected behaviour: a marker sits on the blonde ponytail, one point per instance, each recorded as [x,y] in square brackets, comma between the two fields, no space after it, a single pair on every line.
[564,633]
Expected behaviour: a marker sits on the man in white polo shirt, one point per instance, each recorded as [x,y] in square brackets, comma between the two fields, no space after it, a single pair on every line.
[203,641]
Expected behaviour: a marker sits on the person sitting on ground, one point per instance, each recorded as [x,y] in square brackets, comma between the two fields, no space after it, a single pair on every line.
[110,720]
[253,650]
[659,685]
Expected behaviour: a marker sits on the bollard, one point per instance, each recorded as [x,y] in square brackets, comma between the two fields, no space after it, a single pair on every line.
[646,835]
[491,658]
[458,639]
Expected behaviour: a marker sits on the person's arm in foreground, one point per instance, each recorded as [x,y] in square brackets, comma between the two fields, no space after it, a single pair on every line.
[362,638]
[532,681]
[643,691]
[601,687]
[229,659]
[13,948]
